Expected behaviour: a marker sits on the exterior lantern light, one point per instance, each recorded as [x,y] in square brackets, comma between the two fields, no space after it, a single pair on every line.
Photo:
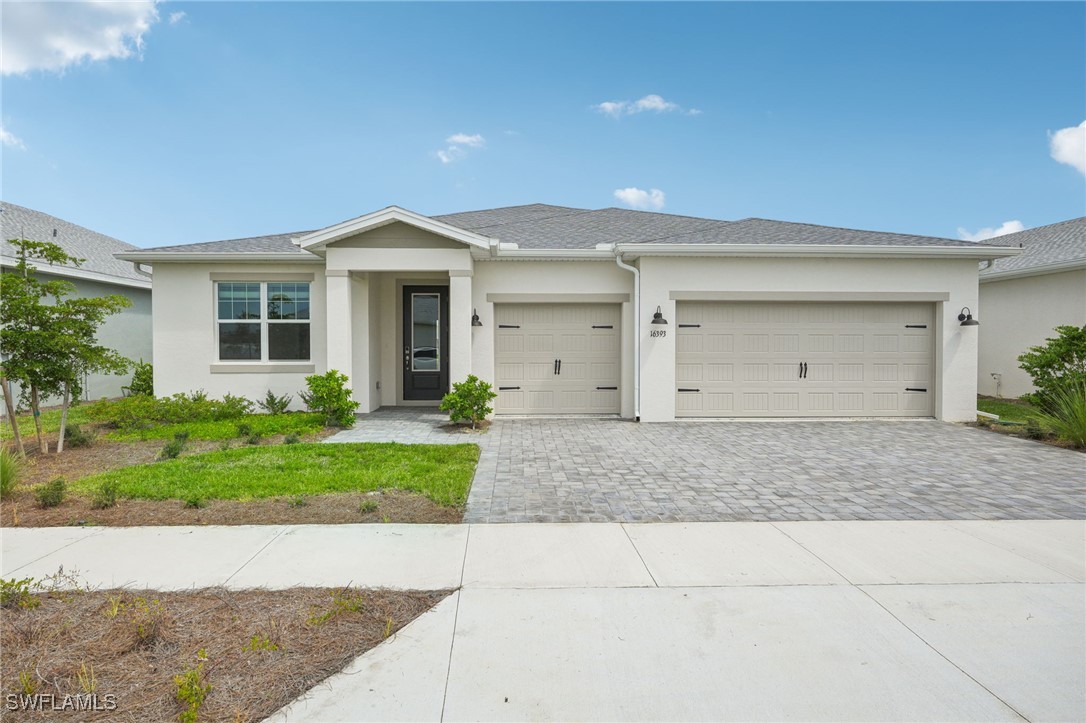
[966,317]
[658,317]
[475,318]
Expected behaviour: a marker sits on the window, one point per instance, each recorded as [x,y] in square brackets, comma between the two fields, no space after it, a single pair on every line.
[263,321]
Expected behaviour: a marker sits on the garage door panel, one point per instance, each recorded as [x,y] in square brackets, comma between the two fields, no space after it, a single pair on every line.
[858,359]
[532,337]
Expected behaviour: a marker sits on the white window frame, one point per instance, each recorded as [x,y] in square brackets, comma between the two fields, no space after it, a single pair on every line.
[263,322]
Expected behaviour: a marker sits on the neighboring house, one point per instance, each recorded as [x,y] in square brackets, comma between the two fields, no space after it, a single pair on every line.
[564,311]
[1022,299]
[129,332]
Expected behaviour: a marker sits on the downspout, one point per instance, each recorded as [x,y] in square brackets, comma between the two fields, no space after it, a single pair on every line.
[637,330]
[139,269]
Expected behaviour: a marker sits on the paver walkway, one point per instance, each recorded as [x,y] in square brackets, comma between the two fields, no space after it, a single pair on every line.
[968,620]
[599,470]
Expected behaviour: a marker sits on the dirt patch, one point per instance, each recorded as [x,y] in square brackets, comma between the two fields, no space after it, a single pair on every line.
[260,648]
[333,509]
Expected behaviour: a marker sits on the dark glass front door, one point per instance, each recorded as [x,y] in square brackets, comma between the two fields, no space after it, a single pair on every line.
[425,342]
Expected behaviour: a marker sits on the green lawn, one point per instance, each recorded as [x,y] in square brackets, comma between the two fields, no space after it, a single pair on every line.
[1008,410]
[50,420]
[441,472]
[265,425]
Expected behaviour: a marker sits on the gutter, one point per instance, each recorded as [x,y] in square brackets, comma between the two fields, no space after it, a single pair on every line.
[201,257]
[807,250]
[637,329]
[1032,271]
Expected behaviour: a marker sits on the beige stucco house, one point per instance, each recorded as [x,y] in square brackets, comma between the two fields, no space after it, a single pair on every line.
[100,274]
[572,311]
[1024,298]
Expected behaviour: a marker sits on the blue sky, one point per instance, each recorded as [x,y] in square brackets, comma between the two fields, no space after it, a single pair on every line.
[199,121]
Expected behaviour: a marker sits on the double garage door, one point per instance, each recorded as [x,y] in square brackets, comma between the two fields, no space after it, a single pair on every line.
[557,358]
[804,359]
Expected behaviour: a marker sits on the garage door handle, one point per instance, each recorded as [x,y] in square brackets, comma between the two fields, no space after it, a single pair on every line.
[506,389]
[689,326]
[608,388]
[914,389]
[508,326]
[688,390]
[604,326]
[556,366]
[559,367]
[803,370]
[916,326]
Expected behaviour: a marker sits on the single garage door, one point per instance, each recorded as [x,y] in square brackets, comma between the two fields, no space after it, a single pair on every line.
[804,360]
[557,358]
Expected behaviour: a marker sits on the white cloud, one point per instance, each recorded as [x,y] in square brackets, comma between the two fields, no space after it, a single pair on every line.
[463,139]
[639,199]
[52,36]
[651,102]
[176,17]
[1068,145]
[11,140]
[986,233]
[458,145]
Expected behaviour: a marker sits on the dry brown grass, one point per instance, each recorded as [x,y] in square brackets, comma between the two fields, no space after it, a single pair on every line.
[71,634]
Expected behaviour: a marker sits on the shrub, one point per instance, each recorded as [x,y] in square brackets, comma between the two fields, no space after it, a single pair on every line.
[298,501]
[329,396]
[172,449]
[291,439]
[76,436]
[469,401]
[181,436]
[192,690]
[11,469]
[245,429]
[51,494]
[143,378]
[141,411]
[368,506]
[106,495]
[1034,430]
[195,502]
[1066,415]
[18,593]
[253,439]
[1060,361]
[275,405]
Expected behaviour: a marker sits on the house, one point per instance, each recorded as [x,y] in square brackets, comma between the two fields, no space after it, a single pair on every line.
[572,311]
[129,332]
[1025,297]
[100,275]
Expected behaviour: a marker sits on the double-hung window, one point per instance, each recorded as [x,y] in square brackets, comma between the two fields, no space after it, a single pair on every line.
[262,321]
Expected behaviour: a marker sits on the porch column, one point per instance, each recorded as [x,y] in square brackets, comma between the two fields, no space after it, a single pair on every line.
[459,325]
[338,316]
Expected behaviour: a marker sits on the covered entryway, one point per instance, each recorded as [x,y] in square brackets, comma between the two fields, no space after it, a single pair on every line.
[557,358]
[799,359]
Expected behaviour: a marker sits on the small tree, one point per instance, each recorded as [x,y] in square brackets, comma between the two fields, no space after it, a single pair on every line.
[48,337]
[1058,363]
[469,401]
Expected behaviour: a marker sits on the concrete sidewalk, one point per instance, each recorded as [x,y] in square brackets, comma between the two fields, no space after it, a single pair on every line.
[739,621]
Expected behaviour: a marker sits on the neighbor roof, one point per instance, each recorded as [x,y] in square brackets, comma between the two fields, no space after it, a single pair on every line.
[542,226]
[1056,245]
[97,249]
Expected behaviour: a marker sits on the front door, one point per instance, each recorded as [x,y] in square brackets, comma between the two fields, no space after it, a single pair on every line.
[425,342]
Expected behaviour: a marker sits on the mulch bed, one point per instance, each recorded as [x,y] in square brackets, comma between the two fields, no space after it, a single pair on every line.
[132,644]
[392,506]
[1019,431]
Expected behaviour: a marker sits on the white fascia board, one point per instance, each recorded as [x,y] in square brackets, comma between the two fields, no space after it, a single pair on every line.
[320,239]
[77,273]
[552,254]
[1033,271]
[802,250]
[151,257]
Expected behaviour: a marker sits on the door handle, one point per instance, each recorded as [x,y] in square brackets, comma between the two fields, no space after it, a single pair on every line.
[407,358]
[804,370]
[800,376]
[559,367]
[555,367]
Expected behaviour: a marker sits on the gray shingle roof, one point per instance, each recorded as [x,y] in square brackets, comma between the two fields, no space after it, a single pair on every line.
[1057,243]
[541,226]
[275,244]
[96,248]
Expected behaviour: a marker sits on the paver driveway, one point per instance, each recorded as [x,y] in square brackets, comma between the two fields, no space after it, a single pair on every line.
[595,470]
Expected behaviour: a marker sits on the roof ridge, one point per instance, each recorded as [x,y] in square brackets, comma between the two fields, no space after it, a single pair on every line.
[661,213]
[571,212]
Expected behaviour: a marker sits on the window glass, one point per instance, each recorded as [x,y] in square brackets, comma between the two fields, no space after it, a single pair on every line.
[425,317]
[239,341]
[288,342]
[239,301]
[288,301]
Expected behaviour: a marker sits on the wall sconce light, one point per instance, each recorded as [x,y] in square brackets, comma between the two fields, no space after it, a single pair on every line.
[658,317]
[966,317]
[475,318]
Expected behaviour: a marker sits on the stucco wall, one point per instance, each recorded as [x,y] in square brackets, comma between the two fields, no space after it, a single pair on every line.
[1019,313]
[956,346]
[129,332]
[184,340]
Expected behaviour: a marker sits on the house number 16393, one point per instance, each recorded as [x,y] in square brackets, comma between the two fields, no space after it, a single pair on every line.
[658,333]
